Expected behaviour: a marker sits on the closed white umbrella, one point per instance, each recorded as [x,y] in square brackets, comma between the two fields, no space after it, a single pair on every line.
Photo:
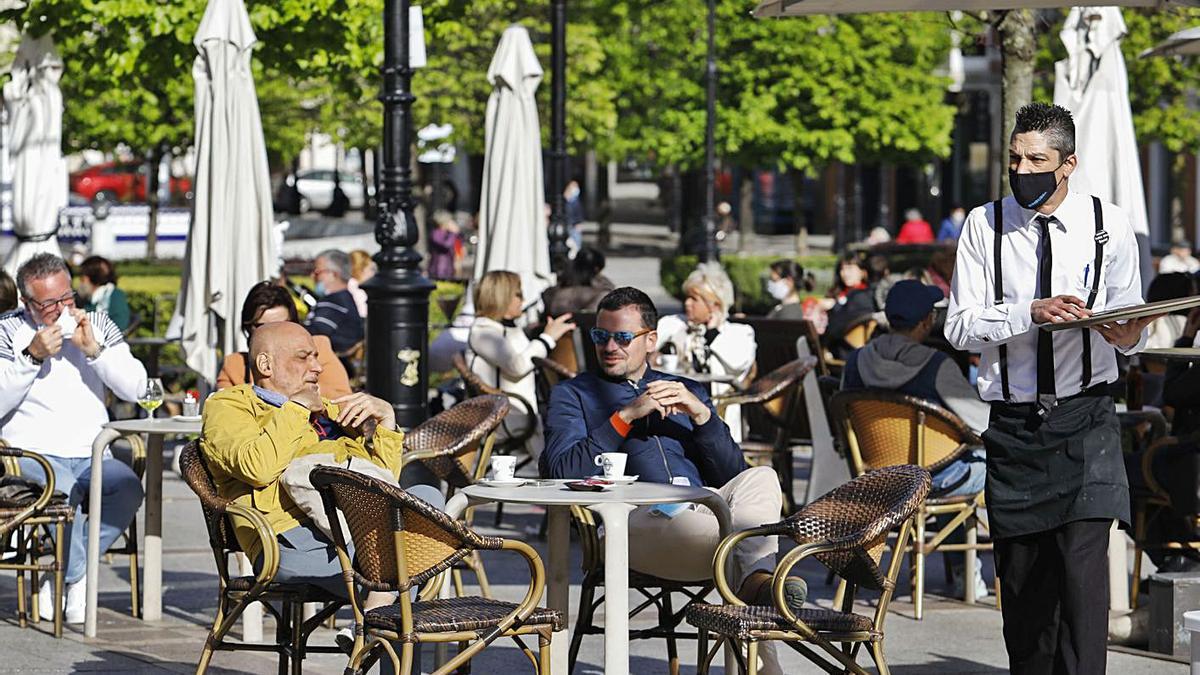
[1186,41]
[1092,83]
[512,216]
[231,246]
[35,109]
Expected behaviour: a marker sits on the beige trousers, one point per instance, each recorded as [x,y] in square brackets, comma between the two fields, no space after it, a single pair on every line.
[682,547]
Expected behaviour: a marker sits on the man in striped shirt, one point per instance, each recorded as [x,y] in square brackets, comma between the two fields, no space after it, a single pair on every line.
[56,361]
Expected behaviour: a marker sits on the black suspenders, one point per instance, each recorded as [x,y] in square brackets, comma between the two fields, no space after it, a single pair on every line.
[998,220]
[1086,334]
[1101,237]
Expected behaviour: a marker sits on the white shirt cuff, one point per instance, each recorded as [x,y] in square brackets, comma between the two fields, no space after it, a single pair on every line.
[1019,318]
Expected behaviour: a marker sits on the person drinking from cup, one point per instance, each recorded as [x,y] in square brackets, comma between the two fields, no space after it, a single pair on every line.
[56,361]
[667,431]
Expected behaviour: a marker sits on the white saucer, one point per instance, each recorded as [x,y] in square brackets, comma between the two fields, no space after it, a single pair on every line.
[492,482]
[185,418]
[619,480]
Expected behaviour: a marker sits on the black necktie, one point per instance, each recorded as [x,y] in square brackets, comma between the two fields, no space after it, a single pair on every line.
[1045,346]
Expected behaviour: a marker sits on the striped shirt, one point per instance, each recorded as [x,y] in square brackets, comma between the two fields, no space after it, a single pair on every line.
[57,408]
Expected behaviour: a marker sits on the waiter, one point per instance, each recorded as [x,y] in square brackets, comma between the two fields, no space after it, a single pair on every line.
[1055,476]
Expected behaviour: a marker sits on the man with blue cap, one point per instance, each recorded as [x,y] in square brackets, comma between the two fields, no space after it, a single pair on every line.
[899,361]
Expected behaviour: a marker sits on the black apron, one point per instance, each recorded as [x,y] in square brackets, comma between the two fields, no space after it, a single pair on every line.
[1045,472]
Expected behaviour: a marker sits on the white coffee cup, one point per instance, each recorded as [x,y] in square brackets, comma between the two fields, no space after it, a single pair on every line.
[504,467]
[613,463]
[669,362]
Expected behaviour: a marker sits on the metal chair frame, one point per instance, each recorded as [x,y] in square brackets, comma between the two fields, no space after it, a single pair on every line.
[855,557]
[26,523]
[420,557]
[922,415]
[235,595]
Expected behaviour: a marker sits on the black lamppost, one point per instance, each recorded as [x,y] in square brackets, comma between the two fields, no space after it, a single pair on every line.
[707,249]
[558,134]
[398,294]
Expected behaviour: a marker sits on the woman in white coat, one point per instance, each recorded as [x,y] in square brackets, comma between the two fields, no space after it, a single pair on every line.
[502,355]
[705,340]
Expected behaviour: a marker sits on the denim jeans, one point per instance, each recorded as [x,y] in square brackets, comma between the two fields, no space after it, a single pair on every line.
[976,470]
[119,502]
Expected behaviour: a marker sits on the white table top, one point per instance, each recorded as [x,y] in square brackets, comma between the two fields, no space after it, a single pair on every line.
[157,425]
[556,493]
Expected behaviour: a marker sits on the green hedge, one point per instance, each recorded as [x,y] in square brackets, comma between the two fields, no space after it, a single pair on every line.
[747,274]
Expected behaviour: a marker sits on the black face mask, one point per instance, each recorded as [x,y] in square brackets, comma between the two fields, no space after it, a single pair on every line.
[1031,190]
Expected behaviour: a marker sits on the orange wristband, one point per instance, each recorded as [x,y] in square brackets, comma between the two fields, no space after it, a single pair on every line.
[619,424]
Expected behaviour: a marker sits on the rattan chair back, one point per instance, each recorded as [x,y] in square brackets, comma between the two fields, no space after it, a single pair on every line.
[399,540]
[199,478]
[885,428]
[455,437]
[775,390]
[859,515]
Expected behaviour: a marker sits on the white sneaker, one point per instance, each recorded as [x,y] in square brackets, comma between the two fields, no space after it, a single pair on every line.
[46,599]
[981,587]
[76,602]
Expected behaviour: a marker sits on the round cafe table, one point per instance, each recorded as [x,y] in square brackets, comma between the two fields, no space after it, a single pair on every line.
[613,507]
[155,429]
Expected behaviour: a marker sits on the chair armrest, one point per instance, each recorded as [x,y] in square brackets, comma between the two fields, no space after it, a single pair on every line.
[726,547]
[266,537]
[47,488]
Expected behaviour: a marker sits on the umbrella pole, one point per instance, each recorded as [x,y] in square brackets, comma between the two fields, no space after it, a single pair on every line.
[397,330]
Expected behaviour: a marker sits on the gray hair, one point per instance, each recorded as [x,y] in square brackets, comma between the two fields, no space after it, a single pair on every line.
[40,266]
[338,260]
[1052,121]
[711,280]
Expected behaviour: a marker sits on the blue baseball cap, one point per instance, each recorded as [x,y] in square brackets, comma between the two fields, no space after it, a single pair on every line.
[909,302]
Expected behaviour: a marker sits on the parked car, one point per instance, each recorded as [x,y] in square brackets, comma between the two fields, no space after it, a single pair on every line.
[122,182]
[316,190]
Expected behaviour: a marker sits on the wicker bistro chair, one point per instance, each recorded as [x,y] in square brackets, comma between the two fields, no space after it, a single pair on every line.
[516,438]
[456,445]
[236,593]
[655,591]
[38,508]
[884,428]
[1147,504]
[779,397]
[847,530]
[549,374]
[402,543]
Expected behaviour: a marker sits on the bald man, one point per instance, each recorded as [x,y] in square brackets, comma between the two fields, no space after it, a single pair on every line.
[252,432]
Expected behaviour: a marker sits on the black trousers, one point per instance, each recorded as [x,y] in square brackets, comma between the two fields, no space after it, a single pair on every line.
[1054,594]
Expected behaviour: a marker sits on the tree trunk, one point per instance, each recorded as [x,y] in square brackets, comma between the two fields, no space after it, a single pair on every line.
[156,156]
[1018,48]
[798,218]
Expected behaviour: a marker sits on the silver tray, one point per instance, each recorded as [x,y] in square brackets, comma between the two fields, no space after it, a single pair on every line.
[1125,313]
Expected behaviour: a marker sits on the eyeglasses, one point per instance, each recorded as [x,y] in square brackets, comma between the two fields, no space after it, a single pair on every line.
[67,300]
[622,337]
[318,272]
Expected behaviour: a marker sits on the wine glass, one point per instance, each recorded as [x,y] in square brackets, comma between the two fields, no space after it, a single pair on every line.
[150,395]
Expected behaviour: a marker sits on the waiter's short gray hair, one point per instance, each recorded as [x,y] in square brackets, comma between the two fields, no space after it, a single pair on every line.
[1052,121]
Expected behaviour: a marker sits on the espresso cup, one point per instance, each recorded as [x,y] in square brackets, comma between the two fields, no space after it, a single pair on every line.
[613,463]
[503,467]
[669,362]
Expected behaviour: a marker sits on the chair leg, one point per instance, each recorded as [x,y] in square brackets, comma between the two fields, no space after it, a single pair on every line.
[210,641]
[456,576]
[131,536]
[969,564]
[60,571]
[544,654]
[665,616]
[481,578]
[283,637]
[702,658]
[297,641]
[752,657]
[919,568]
[21,618]
[1139,532]
[583,622]
[499,515]
[35,550]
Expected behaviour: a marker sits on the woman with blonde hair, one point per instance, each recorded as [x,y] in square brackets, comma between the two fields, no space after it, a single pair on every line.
[705,340]
[502,355]
[362,267]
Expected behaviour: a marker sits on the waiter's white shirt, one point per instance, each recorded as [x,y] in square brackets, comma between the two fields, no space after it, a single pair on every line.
[975,322]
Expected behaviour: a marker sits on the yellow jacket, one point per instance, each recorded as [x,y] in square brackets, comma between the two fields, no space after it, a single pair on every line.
[247,443]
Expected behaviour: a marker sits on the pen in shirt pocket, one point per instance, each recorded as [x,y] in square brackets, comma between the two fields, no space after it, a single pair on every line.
[1086,268]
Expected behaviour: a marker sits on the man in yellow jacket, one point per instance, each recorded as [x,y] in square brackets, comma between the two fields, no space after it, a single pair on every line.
[252,432]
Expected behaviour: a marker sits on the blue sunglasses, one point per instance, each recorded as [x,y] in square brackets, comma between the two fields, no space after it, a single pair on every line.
[621,337]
